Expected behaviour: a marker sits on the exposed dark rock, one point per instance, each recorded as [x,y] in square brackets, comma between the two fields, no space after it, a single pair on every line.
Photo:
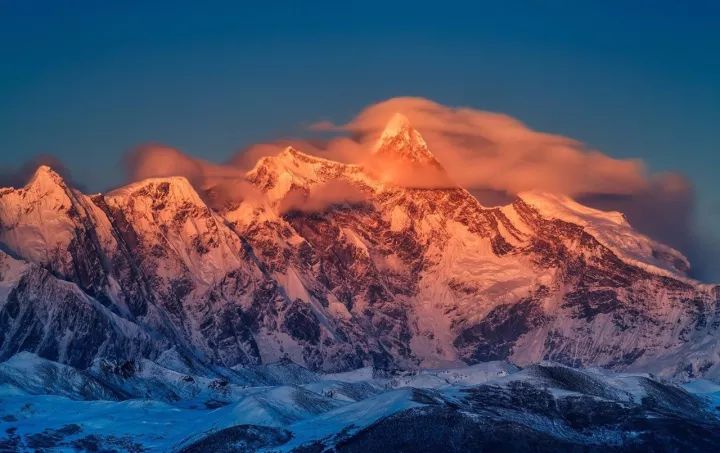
[241,438]
[494,337]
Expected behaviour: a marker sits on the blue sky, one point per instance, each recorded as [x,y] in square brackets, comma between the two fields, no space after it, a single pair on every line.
[86,81]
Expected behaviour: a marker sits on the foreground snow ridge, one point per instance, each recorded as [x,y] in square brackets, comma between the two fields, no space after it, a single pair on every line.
[284,407]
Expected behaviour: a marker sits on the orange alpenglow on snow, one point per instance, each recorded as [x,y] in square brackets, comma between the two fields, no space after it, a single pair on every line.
[402,157]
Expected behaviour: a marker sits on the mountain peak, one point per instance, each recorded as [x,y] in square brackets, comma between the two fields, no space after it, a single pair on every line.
[401,157]
[401,141]
[44,171]
[291,161]
[398,124]
[46,178]
[167,188]
[293,154]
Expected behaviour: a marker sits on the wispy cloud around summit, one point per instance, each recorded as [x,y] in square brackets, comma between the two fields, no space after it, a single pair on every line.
[494,151]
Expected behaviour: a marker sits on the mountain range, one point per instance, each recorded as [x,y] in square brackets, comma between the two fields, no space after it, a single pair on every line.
[338,266]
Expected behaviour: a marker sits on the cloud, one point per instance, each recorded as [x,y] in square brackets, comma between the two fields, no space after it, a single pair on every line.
[321,197]
[490,151]
[159,161]
[341,149]
[225,185]
[414,176]
[221,185]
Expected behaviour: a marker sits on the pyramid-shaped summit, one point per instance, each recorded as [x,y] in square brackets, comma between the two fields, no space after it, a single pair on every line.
[45,173]
[46,180]
[401,141]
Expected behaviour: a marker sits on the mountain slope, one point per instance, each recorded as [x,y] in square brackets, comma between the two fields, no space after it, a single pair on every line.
[340,266]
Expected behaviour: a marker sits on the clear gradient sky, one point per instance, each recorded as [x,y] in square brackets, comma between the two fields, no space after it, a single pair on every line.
[87,80]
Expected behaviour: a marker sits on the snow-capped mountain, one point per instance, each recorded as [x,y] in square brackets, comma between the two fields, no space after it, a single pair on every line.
[339,266]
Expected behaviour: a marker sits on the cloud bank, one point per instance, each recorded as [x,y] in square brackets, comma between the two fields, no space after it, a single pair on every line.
[322,197]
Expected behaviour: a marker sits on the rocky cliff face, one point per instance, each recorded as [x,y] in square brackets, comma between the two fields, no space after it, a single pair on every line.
[339,266]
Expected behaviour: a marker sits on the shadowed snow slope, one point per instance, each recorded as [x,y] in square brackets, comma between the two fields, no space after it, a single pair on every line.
[490,405]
